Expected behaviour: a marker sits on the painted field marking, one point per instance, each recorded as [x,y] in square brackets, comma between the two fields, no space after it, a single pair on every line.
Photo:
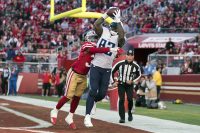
[41,123]
[4,104]
[21,129]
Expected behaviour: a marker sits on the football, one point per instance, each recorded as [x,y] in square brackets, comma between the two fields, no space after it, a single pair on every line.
[111,11]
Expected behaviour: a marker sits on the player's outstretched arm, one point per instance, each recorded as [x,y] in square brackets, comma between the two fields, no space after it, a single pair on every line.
[121,35]
[94,50]
[98,26]
[120,30]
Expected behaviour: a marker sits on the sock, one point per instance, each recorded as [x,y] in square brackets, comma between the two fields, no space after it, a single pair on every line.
[71,114]
[89,104]
[74,104]
[61,102]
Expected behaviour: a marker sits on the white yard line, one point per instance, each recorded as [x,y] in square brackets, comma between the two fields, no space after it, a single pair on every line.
[21,129]
[41,123]
[140,122]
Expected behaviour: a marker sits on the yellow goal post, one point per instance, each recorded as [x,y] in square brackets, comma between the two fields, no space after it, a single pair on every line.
[75,13]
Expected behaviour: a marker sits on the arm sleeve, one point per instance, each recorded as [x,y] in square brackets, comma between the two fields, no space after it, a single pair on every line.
[138,73]
[114,69]
[94,50]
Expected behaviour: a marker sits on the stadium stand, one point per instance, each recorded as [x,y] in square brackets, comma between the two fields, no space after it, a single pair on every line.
[26,28]
[28,39]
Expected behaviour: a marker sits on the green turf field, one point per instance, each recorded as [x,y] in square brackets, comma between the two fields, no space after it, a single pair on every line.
[185,113]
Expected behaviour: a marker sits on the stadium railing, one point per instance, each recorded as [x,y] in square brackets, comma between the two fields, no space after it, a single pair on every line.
[139,31]
[128,10]
[42,61]
[175,63]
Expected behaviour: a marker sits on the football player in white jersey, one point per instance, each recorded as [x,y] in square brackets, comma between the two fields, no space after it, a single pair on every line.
[100,70]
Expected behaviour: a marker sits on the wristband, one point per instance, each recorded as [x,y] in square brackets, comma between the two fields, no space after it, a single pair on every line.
[104,16]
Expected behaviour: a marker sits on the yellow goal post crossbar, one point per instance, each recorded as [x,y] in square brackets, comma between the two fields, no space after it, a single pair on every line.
[75,13]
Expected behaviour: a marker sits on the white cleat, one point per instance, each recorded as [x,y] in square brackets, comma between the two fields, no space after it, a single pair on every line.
[53,115]
[87,121]
[70,122]
[93,111]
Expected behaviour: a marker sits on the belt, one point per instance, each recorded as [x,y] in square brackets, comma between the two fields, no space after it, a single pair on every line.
[123,83]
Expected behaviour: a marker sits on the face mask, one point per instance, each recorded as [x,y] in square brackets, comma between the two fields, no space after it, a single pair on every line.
[91,39]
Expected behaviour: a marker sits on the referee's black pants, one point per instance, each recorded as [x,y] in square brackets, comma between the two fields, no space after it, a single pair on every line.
[4,85]
[122,89]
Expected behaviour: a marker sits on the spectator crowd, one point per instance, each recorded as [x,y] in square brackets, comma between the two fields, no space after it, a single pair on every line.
[164,16]
[25,25]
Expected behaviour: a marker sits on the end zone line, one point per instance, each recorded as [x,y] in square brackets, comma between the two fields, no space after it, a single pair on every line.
[42,123]
[21,129]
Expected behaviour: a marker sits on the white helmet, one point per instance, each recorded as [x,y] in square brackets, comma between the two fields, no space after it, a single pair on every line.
[90,36]
[113,27]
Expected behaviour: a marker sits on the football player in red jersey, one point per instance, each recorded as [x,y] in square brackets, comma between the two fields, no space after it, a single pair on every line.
[76,80]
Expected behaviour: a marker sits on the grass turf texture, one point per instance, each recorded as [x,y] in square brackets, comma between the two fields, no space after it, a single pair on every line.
[185,113]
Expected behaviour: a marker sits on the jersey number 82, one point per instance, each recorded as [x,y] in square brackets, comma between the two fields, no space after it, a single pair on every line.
[106,44]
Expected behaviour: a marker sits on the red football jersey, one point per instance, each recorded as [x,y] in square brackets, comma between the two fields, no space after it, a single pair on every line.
[82,64]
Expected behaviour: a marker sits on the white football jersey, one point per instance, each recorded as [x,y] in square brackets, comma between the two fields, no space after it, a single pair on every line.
[105,60]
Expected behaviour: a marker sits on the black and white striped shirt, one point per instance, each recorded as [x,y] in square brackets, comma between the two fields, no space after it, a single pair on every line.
[126,71]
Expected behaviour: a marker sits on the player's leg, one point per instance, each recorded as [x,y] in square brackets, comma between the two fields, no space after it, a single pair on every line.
[129,93]
[81,86]
[69,93]
[121,93]
[94,81]
[73,106]
[104,83]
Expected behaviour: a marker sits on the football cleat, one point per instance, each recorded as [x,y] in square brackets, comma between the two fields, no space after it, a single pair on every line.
[87,121]
[70,122]
[53,115]
[121,121]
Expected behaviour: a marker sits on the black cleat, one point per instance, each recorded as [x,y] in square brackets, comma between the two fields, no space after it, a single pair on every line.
[130,117]
[121,121]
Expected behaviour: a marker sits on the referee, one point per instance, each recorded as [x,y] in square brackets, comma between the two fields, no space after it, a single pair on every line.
[128,73]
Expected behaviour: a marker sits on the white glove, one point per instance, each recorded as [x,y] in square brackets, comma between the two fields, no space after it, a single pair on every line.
[114,49]
[117,16]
